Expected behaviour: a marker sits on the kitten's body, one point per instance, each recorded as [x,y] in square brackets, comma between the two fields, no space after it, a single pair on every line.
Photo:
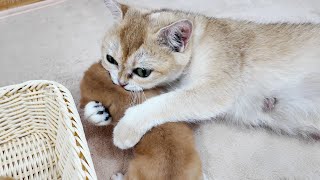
[166,153]
[224,67]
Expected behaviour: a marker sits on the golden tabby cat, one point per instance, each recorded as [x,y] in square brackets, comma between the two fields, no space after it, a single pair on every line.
[165,153]
[214,67]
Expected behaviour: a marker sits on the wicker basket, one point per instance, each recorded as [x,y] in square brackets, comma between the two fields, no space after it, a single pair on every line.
[41,135]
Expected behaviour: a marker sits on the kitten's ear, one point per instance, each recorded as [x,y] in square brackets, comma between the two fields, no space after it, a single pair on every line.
[117,10]
[177,35]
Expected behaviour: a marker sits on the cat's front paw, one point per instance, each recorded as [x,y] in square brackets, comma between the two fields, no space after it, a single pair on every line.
[97,114]
[125,136]
[129,130]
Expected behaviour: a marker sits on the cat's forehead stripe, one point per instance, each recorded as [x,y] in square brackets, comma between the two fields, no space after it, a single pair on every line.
[132,35]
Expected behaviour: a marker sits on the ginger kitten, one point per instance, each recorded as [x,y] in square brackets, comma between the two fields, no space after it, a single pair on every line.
[213,67]
[167,152]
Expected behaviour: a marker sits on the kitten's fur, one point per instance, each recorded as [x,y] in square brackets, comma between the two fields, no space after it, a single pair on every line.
[216,67]
[167,152]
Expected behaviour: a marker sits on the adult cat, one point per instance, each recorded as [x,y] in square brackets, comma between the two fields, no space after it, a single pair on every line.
[215,67]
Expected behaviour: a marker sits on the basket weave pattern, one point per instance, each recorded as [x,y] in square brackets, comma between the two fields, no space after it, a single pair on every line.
[41,135]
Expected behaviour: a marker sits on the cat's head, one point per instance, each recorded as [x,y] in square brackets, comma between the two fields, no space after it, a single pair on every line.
[145,49]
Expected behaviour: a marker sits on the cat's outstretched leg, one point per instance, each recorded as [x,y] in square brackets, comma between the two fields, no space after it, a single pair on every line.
[199,103]
[97,114]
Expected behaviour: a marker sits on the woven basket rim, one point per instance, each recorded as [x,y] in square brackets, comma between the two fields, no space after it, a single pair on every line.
[82,148]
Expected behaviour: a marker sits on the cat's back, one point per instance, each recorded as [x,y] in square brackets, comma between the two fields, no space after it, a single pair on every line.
[263,41]
[285,39]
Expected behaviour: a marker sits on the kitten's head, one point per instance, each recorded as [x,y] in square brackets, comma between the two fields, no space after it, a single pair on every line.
[144,49]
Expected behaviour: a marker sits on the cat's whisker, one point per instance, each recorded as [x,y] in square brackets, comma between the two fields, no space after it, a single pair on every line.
[136,100]
[139,91]
[139,99]
[138,94]
[130,98]
[170,85]
[144,96]
[133,98]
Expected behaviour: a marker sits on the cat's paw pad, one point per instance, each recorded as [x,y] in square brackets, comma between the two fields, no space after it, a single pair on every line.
[97,114]
[269,104]
[117,176]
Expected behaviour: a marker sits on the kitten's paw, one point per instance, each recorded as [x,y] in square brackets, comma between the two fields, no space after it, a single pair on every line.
[269,104]
[97,114]
[117,176]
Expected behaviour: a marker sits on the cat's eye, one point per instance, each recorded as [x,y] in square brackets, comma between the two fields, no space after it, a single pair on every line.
[142,72]
[111,60]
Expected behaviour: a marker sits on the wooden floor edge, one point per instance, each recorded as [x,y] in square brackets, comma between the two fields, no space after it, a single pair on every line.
[28,8]
[9,4]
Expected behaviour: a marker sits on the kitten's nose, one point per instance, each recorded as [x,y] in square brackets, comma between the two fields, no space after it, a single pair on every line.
[123,84]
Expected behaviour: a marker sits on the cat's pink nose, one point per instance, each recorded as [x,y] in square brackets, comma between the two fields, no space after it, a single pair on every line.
[123,84]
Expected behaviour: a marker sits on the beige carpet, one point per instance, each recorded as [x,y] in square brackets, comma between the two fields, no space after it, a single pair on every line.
[59,42]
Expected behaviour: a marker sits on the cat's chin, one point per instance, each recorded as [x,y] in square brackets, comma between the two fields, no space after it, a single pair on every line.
[135,91]
[132,88]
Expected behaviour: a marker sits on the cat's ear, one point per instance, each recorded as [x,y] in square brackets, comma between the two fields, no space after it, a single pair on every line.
[177,35]
[117,10]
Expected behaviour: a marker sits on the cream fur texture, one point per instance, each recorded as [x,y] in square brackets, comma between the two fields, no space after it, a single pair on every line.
[60,42]
[215,68]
